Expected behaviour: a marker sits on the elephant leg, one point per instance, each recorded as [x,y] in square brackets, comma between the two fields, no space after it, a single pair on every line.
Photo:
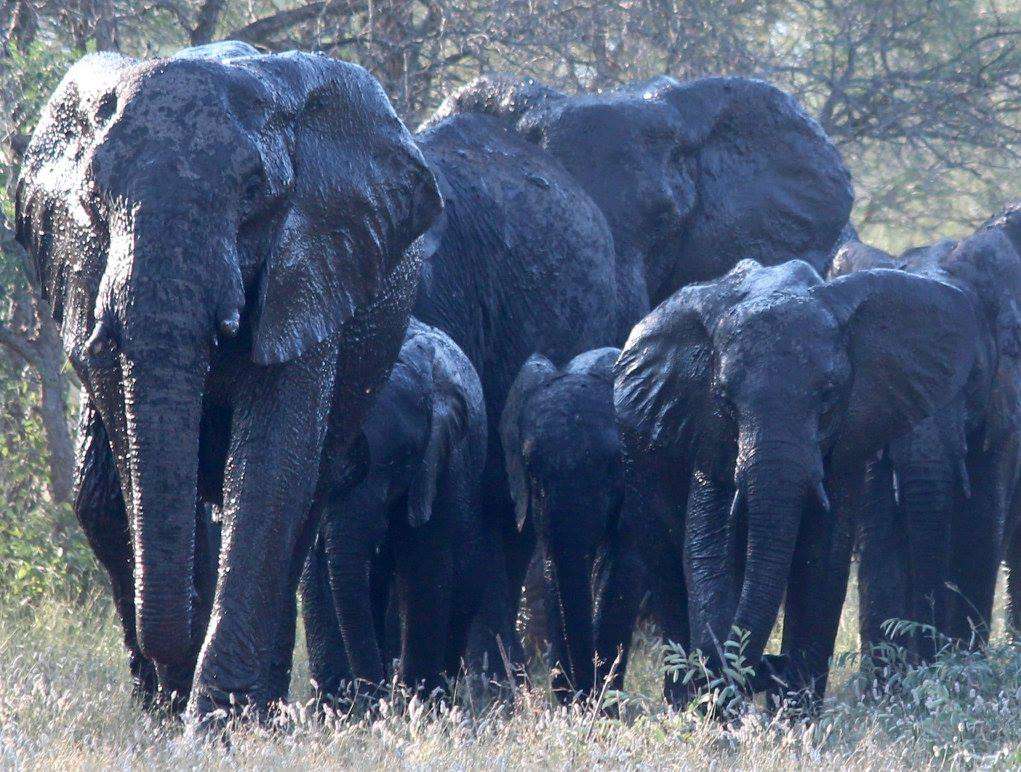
[670,601]
[882,590]
[351,530]
[476,571]
[817,588]
[562,675]
[714,548]
[618,589]
[327,658]
[424,581]
[978,537]
[175,680]
[280,652]
[276,443]
[384,608]
[491,640]
[99,507]
[493,632]
[1013,561]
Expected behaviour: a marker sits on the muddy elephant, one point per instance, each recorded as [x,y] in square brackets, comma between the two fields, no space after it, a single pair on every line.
[746,405]
[673,182]
[931,548]
[566,468]
[229,244]
[403,525]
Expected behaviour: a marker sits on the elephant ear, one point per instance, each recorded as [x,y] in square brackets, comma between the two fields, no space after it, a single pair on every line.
[362,195]
[55,220]
[661,378]
[536,372]
[770,184]
[448,427]
[911,343]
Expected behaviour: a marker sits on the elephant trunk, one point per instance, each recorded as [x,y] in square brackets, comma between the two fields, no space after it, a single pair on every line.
[774,493]
[926,491]
[572,563]
[169,290]
[163,406]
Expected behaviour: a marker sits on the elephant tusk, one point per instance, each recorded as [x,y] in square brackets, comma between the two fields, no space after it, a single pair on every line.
[896,489]
[737,503]
[102,333]
[821,497]
[962,471]
[230,324]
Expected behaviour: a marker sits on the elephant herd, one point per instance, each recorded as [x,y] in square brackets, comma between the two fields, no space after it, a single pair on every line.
[325,357]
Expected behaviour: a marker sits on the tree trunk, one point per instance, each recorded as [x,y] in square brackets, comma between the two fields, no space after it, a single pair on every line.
[53,415]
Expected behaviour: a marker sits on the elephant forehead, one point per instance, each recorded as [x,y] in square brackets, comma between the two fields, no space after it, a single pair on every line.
[778,322]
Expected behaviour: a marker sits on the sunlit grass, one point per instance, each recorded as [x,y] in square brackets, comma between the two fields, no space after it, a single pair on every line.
[65,703]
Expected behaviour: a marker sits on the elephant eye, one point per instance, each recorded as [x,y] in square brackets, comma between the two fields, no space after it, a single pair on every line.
[253,186]
[725,406]
[828,392]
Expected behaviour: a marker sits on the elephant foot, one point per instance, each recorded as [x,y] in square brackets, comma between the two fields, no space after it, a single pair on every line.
[144,682]
[212,711]
[358,698]
[772,672]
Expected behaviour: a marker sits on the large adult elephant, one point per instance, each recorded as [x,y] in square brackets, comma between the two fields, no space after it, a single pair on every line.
[955,476]
[692,176]
[683,179]
[228,243]
[744,403]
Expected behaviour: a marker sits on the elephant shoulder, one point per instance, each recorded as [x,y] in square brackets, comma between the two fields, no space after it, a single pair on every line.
[537,250]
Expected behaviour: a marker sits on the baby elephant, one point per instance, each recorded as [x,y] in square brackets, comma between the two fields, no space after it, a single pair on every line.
[402,523]
[565,465]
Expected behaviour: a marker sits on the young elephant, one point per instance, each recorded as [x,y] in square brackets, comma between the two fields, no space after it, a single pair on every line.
[403,510]
[744,403]
[951,481]
[565,465]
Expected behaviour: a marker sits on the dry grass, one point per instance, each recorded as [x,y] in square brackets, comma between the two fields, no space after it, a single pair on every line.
[65,703]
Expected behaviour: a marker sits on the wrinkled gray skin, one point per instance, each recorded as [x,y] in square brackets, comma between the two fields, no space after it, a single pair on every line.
[226,241]
[566,469]
[954,478]
[691,176]
[678,180]
[403,511]
[746,404]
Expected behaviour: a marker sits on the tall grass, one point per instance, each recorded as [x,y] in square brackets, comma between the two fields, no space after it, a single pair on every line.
[65,703]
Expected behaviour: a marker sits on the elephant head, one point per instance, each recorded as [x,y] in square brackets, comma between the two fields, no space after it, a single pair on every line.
[769,184]
[761,383]
[175,204]
[558,425]
[430,407]
[691,176]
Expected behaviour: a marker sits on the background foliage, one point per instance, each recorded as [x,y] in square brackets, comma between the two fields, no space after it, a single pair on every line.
[922,96]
